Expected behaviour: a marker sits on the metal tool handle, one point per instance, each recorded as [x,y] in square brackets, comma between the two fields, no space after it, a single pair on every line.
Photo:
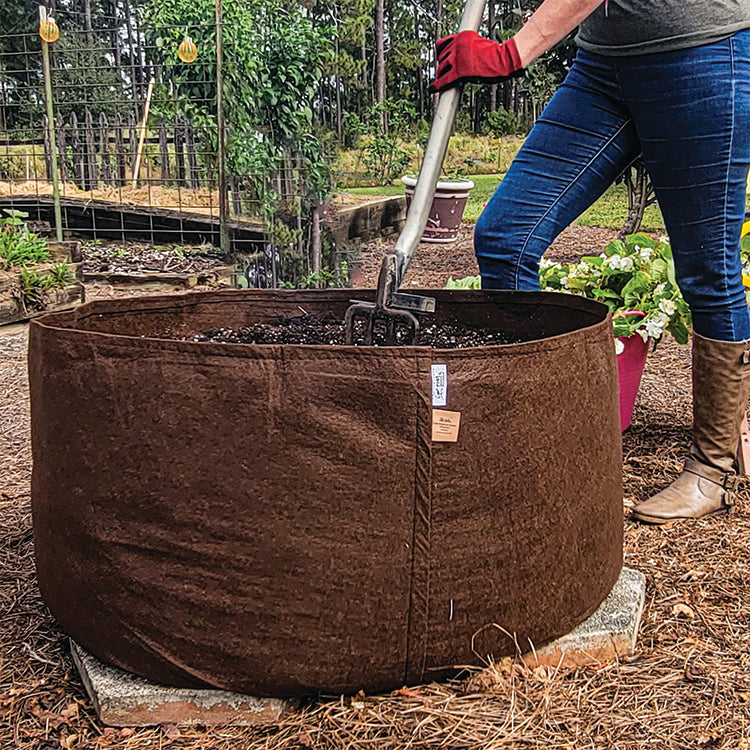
[434,155]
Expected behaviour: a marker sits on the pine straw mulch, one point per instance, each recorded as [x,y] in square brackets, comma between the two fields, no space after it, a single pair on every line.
[688,685]
[197,200]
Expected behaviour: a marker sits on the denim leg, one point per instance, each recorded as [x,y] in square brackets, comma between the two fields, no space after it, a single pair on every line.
[582,142]
[692,113]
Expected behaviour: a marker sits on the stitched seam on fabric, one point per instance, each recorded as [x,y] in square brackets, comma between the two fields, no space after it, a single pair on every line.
[726,182]
[418,608]
[563,193]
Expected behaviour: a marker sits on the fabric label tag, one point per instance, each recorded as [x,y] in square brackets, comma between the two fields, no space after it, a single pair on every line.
[445,426]
[439,385]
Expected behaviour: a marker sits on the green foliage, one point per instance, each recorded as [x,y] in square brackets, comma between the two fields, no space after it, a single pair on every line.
[501,122]
[274,60]
[634,276]
[323,279]
[384,156]
[34,286]
[19,246]
[59,275]
[467,282]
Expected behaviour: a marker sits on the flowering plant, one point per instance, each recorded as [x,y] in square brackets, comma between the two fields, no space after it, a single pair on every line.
[634,275]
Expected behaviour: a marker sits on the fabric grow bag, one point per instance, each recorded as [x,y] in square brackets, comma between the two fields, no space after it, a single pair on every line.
[276,520]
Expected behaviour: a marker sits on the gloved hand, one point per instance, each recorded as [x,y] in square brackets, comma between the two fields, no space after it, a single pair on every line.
[468,57]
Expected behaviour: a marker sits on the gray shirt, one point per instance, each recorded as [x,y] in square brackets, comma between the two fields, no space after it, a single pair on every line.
[633,27]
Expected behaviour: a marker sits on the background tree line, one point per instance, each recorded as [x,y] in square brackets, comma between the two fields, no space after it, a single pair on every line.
[367,57]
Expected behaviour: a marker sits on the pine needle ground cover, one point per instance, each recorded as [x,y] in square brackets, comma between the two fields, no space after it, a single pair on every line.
[688,685]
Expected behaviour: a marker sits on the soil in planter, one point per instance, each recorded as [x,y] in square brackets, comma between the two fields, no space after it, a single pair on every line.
[124,258]
[309,329]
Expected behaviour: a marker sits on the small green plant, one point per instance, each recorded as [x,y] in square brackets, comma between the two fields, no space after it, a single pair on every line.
[19,246]
[60,274]
[323,279]
[34,286]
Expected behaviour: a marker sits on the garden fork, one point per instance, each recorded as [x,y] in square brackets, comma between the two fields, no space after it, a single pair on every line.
[391,317]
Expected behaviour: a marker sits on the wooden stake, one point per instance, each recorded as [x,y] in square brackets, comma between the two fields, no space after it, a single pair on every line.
[142,139]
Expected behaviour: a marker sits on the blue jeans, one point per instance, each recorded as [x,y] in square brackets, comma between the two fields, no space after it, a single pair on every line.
[688,112]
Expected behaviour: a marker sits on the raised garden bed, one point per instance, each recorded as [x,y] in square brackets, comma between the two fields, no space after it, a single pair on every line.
[128,264]
[366,220]
[20,300]
[16,307]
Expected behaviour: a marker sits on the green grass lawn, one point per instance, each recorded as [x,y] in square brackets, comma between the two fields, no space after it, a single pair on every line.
[609,211]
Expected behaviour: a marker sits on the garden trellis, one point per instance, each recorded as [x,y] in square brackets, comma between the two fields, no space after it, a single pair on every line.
[123,176]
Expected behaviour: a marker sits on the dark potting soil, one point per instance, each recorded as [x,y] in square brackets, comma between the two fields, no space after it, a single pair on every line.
[309,329]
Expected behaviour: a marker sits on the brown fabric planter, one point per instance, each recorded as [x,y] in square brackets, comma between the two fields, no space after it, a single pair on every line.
[275,520]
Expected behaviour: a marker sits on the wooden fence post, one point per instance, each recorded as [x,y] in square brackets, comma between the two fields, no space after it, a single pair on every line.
[106,164]
[179,156]
[47,150]
[62,148]
[75,141]
[92,178]
[191,155]
[119,150]
[133,138]
[166,172]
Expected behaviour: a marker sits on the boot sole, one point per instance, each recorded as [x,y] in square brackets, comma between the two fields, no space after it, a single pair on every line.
[659,521]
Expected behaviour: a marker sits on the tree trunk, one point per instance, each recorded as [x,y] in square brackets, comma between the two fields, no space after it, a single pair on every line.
[491,21]
[87,23]
[380,61]
[640,196]
[420,70]
[337,83]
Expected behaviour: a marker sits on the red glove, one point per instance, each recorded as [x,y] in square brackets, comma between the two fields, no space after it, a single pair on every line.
[467,57]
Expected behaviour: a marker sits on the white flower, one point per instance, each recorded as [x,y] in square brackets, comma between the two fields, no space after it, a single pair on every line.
[564,281]
[659,290]
[661,318]
[645,254]
[603,255]
[619,346]
[618,263]
[664,240]
[668,307]
[651,328]
[545,263]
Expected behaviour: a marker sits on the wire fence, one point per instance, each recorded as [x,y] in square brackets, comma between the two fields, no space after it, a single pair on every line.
[128,151]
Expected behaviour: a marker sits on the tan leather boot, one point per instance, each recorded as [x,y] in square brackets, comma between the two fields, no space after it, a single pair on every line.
[708,482]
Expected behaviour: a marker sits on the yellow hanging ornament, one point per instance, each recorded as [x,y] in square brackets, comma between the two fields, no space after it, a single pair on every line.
[49,30]
[187,51]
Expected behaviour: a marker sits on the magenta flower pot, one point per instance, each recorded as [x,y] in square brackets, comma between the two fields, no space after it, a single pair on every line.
[630,364]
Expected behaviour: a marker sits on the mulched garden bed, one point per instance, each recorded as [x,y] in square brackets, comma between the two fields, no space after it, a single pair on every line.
[688,685]
[134,258]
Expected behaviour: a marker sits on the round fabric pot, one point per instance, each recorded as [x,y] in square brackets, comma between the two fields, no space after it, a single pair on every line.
[282,519]
[448,206]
